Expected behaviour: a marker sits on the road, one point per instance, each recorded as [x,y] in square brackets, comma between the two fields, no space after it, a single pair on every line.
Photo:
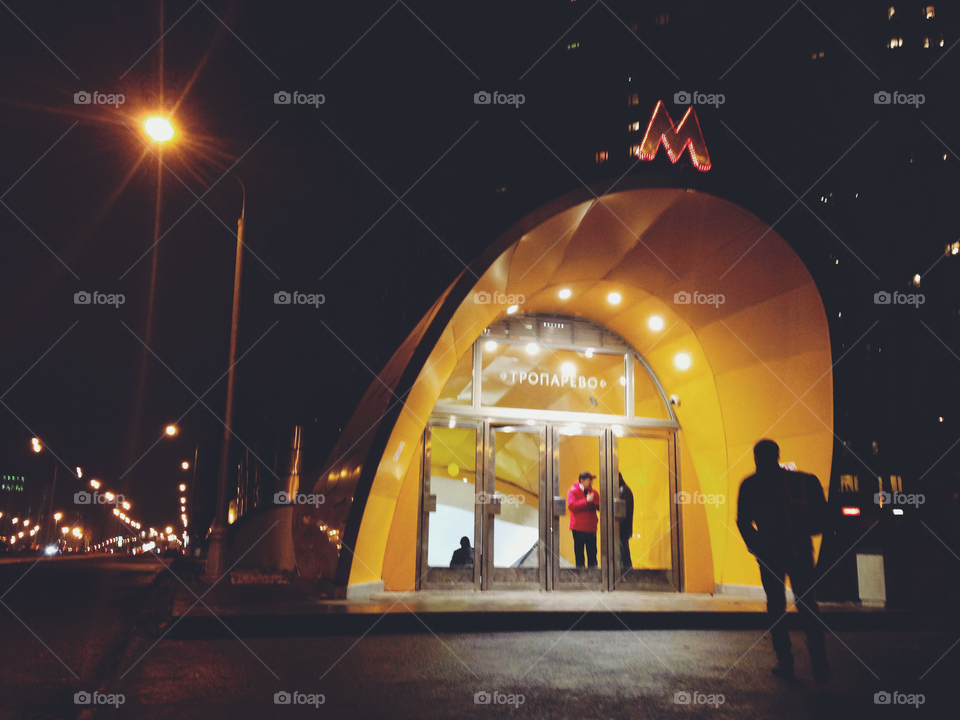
[107,621]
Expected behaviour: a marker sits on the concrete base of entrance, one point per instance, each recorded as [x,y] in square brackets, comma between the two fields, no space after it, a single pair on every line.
[289,611]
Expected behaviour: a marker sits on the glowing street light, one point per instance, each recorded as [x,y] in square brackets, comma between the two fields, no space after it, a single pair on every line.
[168,529]
[182,487]
[126,506]
[57,516]
[35,442]
[94,484]
[172,430]
[158,128]
[185,465]
[65,530]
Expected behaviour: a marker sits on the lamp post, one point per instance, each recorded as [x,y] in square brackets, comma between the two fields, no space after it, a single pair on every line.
[218,553]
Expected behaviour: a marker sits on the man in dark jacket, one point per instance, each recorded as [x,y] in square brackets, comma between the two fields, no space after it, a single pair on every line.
[462,556]
[787,508]
[626,526]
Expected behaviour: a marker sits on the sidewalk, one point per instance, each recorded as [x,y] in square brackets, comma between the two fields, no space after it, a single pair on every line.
[287,611]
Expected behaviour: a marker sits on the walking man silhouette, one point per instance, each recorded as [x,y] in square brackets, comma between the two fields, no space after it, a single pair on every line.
[777,512]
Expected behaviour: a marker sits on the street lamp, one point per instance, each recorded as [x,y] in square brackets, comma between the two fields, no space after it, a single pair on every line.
[172,430]
[185,465]
[158,128]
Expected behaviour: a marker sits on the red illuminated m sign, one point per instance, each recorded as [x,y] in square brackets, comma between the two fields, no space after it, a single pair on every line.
[685,135]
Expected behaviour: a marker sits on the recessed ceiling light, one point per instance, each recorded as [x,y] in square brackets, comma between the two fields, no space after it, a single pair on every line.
[532,348]
[682,361]
[614,298]
[565,293]
[655,323]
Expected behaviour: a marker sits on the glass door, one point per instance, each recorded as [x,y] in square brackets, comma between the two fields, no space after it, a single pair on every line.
[644,535]
[514,517]
[580,513]
[451,521]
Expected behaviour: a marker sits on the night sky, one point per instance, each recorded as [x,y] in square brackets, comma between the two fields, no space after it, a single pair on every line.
[322,214]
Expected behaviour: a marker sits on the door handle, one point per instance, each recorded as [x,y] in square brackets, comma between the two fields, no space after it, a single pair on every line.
[430,503]
[493,505]
[619,509]
[559,506]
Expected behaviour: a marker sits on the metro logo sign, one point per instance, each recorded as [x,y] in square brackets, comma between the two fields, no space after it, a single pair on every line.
[685,135]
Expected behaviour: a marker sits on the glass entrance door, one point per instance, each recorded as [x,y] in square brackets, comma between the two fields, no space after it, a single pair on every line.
[580,515]
[450,525]
[645,534]
[515,547]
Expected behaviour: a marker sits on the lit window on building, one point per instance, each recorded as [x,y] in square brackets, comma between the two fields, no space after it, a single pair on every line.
[573,45]
[633,99]
[848,483]
[602,156]
[500,190]
[634,150]
[663,19]
[634,126]
[896,42]
[953,248]
[891,12]
[928,12]
[941,39]
[926,42]
[817,55]
[915,280]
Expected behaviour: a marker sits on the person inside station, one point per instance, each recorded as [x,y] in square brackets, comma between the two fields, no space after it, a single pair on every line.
[583,503]
[626,525]
[462,556]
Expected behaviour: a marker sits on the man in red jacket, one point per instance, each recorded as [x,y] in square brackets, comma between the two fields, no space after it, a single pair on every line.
[584,502]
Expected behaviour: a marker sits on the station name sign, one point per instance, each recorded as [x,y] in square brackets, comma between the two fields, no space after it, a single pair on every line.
[685,135]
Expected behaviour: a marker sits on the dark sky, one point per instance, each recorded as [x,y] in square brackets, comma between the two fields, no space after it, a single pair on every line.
[400,102]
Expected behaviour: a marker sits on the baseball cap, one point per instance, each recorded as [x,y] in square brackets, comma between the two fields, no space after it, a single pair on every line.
[586,474]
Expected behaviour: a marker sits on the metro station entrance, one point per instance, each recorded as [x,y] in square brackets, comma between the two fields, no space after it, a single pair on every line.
[494,511]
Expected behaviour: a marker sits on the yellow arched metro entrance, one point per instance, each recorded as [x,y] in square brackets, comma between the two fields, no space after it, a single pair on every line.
[757,364]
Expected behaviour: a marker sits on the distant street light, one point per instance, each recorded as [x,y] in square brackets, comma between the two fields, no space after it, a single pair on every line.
[94,484]
[172,430]
[159,129]
[185,465]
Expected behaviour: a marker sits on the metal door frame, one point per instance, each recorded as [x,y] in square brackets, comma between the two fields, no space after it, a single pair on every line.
[461,578]
[615,580]
[490,510]
[560,500]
